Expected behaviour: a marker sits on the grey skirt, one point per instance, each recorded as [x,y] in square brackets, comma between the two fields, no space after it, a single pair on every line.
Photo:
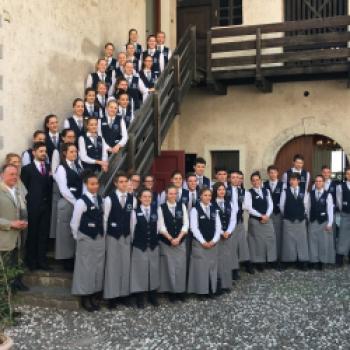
[321,244]
[343,242]
[240,249]
[65,243]
[144,275]
[225,262]
[203,272]
[55,198]
[117,269]
[277,225]
[89,265]
[295,244]
[172,268]
[262,241]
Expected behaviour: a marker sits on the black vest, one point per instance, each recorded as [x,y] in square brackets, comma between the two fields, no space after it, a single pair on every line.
[148,83]
[91,223]
[185,196]
[206,183]
[74,181]
[225,215]
[95,112]
[172,224]
[156,63]
[112,65]
[154,200]
[258,203]
[50,147]
[133,91]
[303,179]
[318,210]
[74,126]
[240,198]
[138,51]
[145,234]
[112,135]
[96,79]
[276,195]
[93,152]
[165,55]
[207,226]
[345,198]
[128,115]
[294,209]
[332,190]
[119,218]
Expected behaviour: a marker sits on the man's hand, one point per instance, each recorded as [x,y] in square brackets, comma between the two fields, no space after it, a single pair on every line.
[19,224]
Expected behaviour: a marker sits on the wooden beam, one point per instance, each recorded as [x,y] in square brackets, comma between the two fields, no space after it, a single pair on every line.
[260,82]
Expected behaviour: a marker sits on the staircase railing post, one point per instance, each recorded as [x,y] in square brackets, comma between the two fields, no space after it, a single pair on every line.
[156,123]
[194,52]
[177,83]
[131,152]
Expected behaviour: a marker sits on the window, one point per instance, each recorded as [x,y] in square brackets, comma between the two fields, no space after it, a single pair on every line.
[227,159]
[230,12]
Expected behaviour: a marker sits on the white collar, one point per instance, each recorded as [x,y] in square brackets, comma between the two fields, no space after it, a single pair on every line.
[88,134]
[90,195]
[171,205]
[119,193]
[51,134]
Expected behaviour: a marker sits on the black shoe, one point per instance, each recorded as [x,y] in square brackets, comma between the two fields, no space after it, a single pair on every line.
[124,301]
[112,304]
[319,266]
[302,266]
[68,265]
[140,302]
[278,266]
[181,297]
[18,285]
[172,297]
[339,260]
[235,275]
[153,299]
[260,267]
[94,303]
[85,303]
[249,268]
[312,266]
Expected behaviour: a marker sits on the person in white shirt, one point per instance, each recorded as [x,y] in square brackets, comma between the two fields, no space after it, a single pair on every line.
[27,155]
[221,175]
[70,186]
[77,121]
[101,97]
[228,217]
[293,206]
[52,135]
[182,194]
[87,230]
[126,109]
[102,74]
[206,229]
[144,275]
[298,167]
[321,215]
[261,233]
[133,38]
[91,108]
[165,52]
[117,221]
[131,57]
[343,203]
[152,51]
[173,228]
[93,149]
[119,72]
[111,61]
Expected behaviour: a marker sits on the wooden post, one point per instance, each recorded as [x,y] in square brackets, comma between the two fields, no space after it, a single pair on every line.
[177,83]
[156,124]
[260,82]
[194,52]
[131,152]
[209,74]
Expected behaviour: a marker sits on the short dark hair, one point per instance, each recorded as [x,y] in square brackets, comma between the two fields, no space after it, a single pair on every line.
[272,167]
[38,132]
[88,174]
[200,160]
[319,175]
[169,187]
[220,168]
[47,119]
[89,89]
[255,173]
[120,174]
[37,145]
[109,44]
[142,191]
[190,174]
[91,117]
[148,175]
[295,176]
[325,167]
[298,156]
[176,172]
[76,100]
[66,131]
[204,189]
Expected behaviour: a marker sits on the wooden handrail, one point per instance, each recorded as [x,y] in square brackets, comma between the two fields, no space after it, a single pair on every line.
[153,120]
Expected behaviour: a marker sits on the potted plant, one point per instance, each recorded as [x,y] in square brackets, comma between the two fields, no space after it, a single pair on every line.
[7,274]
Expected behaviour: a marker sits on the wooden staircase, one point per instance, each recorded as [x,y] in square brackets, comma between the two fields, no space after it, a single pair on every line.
[146,134]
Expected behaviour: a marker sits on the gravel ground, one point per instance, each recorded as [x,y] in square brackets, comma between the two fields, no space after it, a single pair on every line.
[270,310]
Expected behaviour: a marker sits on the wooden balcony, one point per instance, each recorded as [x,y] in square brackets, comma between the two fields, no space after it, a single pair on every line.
[278,51]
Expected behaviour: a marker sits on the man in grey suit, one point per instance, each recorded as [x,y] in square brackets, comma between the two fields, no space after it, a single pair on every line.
[12,214]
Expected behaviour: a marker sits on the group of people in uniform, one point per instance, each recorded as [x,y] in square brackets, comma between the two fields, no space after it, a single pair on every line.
[191,238]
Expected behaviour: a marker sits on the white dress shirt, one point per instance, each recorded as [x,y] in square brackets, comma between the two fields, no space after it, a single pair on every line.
[283,199]
[195,227]
[134,219]
[25,159]
[60,176]
[193,194]
[233,218]
[76,119]
[141,86]
[83,154]
[79,208]
[161,56]
[285,178]
[162,197]
[185,220]
[330,210]
[248,202]
[123,111]
[103,77]
[108,206]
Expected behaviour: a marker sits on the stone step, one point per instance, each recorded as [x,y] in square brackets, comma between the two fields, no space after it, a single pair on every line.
[55,278]
[51,297]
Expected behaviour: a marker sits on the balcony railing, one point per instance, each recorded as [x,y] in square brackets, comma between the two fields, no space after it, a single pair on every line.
[271,50]
[154,118]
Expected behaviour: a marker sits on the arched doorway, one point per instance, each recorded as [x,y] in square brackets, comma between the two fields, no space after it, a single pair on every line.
[317,150]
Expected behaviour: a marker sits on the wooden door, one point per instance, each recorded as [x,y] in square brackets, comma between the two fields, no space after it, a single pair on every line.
[198,13]
[303,145]
[164,165]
